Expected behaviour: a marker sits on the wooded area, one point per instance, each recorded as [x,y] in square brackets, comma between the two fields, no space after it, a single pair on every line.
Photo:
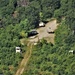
[16,20]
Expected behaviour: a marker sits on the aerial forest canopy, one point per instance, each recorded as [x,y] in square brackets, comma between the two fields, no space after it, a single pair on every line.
[14,11]
[17,17]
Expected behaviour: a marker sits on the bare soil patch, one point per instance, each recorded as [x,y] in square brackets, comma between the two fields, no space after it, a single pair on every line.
[42,32]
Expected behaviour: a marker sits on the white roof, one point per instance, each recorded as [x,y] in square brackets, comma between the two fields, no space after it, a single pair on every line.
[71,51]
[41,23]
[17,47]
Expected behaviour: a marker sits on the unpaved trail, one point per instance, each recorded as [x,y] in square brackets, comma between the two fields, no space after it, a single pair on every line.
[24,61]
[42,32]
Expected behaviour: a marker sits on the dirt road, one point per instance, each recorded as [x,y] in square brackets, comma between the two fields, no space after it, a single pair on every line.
[24,61]
[44,34]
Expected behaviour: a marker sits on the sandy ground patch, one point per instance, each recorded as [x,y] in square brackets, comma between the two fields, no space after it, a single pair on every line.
[42,32]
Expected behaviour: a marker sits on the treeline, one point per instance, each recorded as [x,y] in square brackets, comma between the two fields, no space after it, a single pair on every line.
[11,12]
[67,11]
[16,20]
[48,59]
[9,40]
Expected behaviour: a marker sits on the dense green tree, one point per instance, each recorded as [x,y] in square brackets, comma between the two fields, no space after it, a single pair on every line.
[46,58]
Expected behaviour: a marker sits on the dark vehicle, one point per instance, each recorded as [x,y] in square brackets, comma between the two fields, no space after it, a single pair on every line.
[32,33]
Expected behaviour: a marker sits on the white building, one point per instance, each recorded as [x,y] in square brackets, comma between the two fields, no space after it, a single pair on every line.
[71,51]
[18,50]
[41,24]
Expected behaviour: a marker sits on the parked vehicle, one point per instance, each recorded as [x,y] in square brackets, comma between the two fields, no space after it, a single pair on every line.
[32,33]
[41,24]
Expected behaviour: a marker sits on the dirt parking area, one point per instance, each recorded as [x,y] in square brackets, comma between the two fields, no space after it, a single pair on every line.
[42,32]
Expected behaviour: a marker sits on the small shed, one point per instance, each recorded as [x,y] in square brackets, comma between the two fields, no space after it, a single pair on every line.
[72,51]
[18,50]
[41,24]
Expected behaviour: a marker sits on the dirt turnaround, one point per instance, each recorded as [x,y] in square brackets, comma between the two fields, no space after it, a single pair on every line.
[42,32]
